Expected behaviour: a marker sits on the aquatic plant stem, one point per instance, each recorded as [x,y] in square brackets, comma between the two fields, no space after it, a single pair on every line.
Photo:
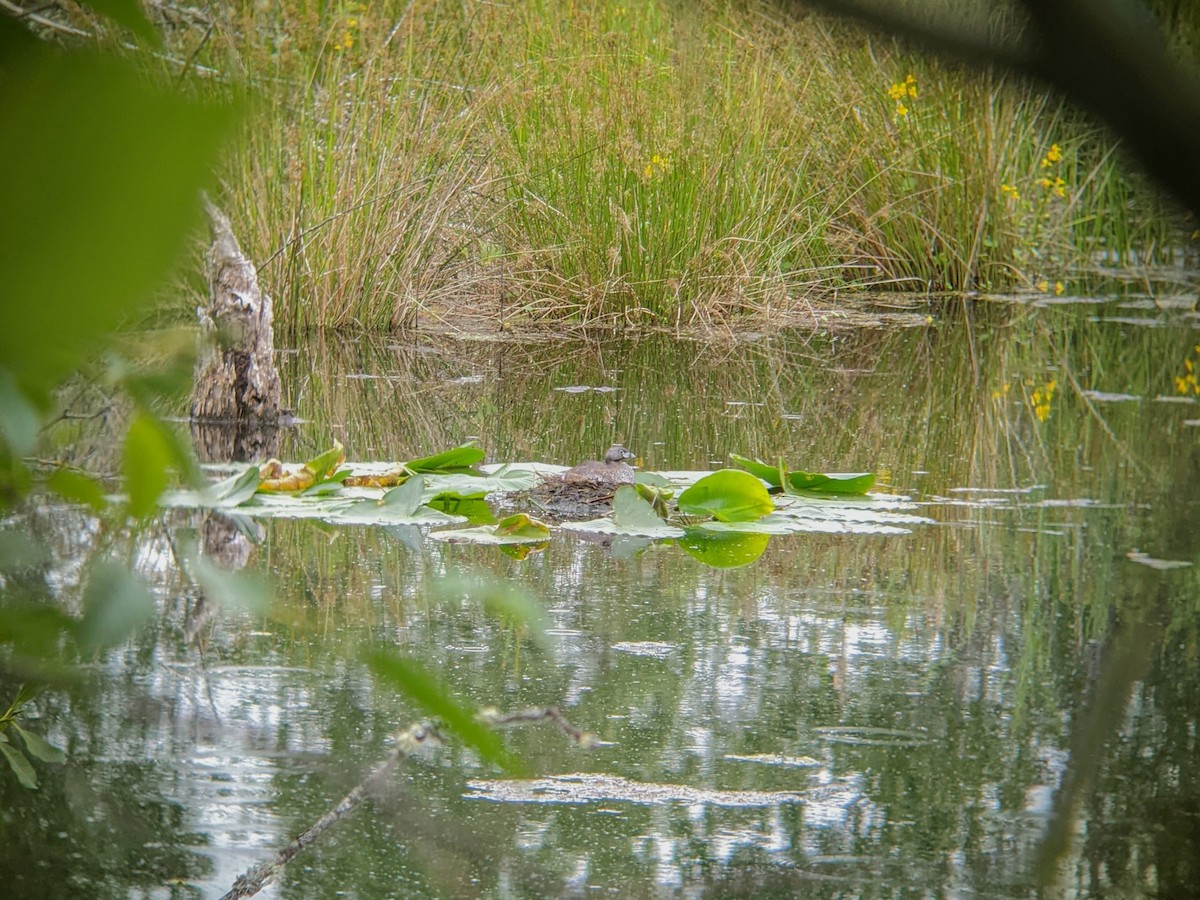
[260,876]
[407,741]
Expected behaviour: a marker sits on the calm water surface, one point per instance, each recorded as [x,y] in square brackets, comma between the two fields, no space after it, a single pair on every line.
[850,715]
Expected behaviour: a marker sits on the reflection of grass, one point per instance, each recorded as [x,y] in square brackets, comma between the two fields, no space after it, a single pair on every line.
[639,164]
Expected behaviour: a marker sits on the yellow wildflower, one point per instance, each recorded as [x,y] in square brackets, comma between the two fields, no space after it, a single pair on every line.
[1009,190]
[1058,289]
[901,91]
[1041,399]
[1053,155]
[657,166]
[1043,286]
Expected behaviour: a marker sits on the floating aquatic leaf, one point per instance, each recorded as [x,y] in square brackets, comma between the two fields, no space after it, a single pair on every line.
[728,495]
[779,476]
[402,504]
[631,516]
[414,680]
[405,499]
[236,489]
[723,549]
[322,468]
[835,483]
[515,529]
[467,487]
[459,459]
[326,464]
[655,490]
[631,511]
[522,525]
[772,475]
[329,485]
[1162,565]
[772,524]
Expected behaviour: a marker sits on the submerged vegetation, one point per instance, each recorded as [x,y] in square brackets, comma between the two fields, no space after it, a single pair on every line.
[640,164]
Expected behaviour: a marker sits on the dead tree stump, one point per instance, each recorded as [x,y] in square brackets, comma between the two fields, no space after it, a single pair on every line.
[235,390]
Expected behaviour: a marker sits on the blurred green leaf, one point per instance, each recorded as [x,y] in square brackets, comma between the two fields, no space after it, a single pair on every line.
[19,551]
[107,194]
[145,461]
[34,629]
[73,485]
[19,420]
[39,747]
[21,766]
[728,495]
[128,13]
[231,590]
[411,679]
[504,601]
[115,604]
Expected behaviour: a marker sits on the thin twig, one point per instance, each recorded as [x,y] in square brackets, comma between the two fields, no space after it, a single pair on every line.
[407,741]
[260,876]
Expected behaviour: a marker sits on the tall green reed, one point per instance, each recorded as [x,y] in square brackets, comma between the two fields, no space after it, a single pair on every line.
[645,164]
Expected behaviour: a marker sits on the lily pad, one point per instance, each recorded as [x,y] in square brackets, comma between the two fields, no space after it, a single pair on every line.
[728,495]
[778,476]
[832,483]
[470,487]
[399,505]
[772,475]
[516,529]
[632,516]
[456,460]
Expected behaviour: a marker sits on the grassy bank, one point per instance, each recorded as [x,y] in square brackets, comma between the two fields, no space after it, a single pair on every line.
[638,164]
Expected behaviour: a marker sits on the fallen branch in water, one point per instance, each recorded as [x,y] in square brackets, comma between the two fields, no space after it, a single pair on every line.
[407,742]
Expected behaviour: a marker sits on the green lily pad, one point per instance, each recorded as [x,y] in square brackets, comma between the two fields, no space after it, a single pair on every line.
[772,475]
[401,504]
[631,516]
[728,495]
[325,465]
[456,460]
[833,483]
[470,487]
[778,476]
[516,529]
[772,524]
[236,489]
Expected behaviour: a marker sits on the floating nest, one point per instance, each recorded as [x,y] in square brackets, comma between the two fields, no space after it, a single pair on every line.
[584,491]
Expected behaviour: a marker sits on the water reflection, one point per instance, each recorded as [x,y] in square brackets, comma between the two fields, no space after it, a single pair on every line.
[850,715]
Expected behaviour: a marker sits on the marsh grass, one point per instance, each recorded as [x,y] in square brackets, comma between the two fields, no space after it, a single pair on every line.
[641,164]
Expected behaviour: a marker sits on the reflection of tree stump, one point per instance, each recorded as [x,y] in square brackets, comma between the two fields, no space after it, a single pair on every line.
[235,392]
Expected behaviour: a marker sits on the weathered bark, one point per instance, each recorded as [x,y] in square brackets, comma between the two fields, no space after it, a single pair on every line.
[235,392]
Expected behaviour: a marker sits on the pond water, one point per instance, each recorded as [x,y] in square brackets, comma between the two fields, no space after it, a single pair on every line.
[1006,690]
